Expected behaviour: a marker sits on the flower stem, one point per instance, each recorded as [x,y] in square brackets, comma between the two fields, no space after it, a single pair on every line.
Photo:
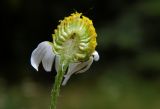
[56,88]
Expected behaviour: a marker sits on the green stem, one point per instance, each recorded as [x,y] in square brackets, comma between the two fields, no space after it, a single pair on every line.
[58,80]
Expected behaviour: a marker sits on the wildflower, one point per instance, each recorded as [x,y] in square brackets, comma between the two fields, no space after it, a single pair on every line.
[74,41]
[72,49]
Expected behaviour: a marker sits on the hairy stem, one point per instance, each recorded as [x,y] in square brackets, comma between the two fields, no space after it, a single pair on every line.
[58,80]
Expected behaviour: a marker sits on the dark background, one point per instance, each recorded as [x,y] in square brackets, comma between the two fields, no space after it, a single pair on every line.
[127,76]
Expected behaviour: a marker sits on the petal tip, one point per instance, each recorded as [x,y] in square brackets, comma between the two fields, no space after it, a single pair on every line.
[66,78]
[34,65]
[95,56]
[47,70]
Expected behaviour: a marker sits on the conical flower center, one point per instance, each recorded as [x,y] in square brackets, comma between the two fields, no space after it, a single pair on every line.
[75,38]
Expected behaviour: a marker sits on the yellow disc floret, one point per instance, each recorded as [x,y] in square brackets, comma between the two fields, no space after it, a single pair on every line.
[75,38]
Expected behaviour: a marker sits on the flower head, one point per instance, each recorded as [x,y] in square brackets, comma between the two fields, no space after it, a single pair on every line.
[74,41]
[75,38]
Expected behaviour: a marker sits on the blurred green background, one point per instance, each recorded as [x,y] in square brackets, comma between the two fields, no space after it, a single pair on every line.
[127,76]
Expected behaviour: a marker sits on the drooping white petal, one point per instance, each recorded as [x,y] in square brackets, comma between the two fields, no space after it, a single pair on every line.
[48,58]
[77,68]
[43,53]
[66,78]
[95,56]
[71,70]
[89,63]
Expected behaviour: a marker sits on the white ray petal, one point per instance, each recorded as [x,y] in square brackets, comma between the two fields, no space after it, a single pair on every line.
[43,52]
[66,78]
[48,58]
[89,63]
[95,56]
[77,68]
[71,70]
